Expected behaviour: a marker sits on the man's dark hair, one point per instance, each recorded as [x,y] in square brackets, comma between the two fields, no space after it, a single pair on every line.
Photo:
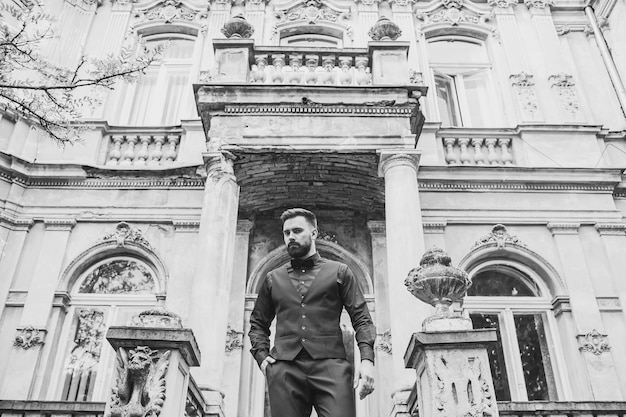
[295,212]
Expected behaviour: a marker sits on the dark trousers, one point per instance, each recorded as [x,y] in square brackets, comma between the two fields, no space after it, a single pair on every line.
[297,386]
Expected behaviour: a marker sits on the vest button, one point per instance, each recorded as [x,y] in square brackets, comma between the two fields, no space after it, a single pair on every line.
[303,327]
[302,305]
[304,339]
[304,316]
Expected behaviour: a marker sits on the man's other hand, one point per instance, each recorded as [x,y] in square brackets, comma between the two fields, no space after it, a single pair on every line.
[366,378]
[268,360]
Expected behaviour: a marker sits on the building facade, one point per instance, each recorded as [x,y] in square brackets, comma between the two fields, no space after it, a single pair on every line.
[495,130]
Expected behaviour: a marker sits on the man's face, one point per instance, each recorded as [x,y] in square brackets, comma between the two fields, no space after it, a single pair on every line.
[298,234]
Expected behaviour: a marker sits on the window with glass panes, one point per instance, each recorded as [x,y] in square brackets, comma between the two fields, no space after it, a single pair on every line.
[508,300]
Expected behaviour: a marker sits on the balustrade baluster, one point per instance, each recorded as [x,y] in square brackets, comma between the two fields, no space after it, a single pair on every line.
[129,153]
[116,153]
[363,76]
[295,76]
[492,156]
[479,157]
[142,155]
[278,61]
[345,76]
[157,153]
[328,77]
[451,155]
[466,159]
[258,76]
[170,155]
[311,76]
[507,158]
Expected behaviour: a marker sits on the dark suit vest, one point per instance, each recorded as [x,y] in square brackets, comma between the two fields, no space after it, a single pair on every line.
[311,322]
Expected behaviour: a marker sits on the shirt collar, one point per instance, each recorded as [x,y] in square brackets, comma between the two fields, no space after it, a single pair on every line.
[316,258]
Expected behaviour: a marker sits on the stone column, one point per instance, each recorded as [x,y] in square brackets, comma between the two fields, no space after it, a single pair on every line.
[152,366]
[588,321]
[384,347]
[31,333]
[236,313]
[405,243]
[450,358]
[214,265]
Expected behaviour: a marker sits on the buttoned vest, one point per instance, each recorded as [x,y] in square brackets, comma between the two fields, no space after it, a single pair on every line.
[311,322]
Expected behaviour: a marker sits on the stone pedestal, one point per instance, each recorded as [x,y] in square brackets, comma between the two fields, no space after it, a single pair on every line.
[233,59]
[389,60]
[453,374]
[152,375]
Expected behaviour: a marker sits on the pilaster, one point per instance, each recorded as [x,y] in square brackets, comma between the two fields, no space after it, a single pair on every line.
[435,234]
[405,243]
[613,237]
[214,265]
[236,306]
[585,311]
[13,232]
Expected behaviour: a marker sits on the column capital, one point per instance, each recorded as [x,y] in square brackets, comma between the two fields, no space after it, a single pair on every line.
[435,227]
[391,158]
[611,229]
[64,225]
[219,164]
[563,228]
[186,225]
[15,223]
[244,226]
[377,227]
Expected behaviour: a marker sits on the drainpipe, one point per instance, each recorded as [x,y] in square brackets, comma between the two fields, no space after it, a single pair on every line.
[606,57]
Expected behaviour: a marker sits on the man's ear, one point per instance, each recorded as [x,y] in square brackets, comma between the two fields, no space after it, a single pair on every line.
[314,233]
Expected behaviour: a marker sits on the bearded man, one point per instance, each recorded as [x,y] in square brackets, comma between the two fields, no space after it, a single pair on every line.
[307,367]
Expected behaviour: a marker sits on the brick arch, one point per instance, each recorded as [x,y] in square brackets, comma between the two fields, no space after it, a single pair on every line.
[326,249]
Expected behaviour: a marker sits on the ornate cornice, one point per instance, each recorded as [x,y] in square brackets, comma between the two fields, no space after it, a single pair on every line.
[374,110]
[245,226]
[15,223]
[29,336]
[500,236]
[612,229]
[469,186]
[593,342]
[186,225]
[563,228]
[64,225]
[435,227]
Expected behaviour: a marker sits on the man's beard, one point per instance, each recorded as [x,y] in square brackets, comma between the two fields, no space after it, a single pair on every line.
[295,250]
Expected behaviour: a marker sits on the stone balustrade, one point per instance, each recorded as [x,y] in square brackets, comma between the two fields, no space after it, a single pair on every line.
[142,149]
[310,67]
[477,147]
[18,408]
[563,408]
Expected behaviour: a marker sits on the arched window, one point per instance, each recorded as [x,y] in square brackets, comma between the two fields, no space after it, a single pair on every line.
[164,95]
[108,292]
[461,70]
[507,297]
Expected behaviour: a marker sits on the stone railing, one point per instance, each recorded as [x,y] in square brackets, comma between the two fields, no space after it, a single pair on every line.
[15,408]
[195,406]
[131,148]
[310,67]
[561,409]
[477,146]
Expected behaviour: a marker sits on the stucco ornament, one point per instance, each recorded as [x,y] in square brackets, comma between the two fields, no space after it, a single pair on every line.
[383,342]
[503,4]
[524,86]
[384,30]
[234,339]
[125,234]
[170,11]
[563,85]
[312,11]
[593,342]
[28,337]
[500,236]
[437,283]
[158,316]
[539,4]
[140,387]
[237,27]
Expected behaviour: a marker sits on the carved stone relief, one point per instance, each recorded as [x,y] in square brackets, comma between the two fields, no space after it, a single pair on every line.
[383,342]
[565,88]
[453,12]
[524,86]
[593,342]
[170,11]
[88,340]
[125,234]
[140,387]
[234,340]
[312,11]
[28,337]
[500,236]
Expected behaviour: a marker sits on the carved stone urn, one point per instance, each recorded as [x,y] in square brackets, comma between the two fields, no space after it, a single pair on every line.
[384,30]
[437,283]
[237,27]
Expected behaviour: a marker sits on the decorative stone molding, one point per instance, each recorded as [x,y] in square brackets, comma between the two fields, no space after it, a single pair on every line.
[245,226]
[63,225]
[500,236]
[563,228]
[158,316]
[169,11]
[377,227]
[390,159]
[140,387]
[219,164]
[565,88]
[539,4]
[381,109]
[402,3]
[609,303]
[15,223]
[561,304]
[502,4]
[384,30]
[523,85]
[186,225]
[312,11]
[484,185]
[29,336]
[234,340]
[611,229]
[454,13]
[435,227]
[368,2]
[123,234]
[383,342]
[593,342]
